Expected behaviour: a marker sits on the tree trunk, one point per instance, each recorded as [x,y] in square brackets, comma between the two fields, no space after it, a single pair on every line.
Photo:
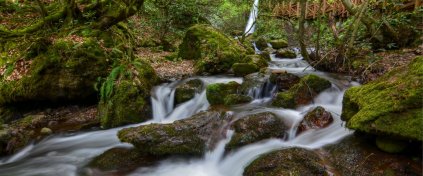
[301,30]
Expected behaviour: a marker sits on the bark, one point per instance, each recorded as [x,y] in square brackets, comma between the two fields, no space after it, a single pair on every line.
[301,30]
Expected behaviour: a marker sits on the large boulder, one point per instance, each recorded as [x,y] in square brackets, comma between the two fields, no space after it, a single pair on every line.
[191,136]
[357,155]
[217,92]
[128,101]
[302,92]
[213,51]
[293,161]
[315,119]
[64,72]
[256,127]
[187,91]
[389,106]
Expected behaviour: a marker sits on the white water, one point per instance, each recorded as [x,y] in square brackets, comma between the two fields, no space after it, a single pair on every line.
[67,155]
[251,24]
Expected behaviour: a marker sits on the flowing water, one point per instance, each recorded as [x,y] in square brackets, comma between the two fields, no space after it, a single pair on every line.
[251,24]
[68,154]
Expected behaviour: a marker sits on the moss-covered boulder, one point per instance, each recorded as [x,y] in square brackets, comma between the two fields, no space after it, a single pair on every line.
[257,60]
[234,99]
[216,93]
[121,160]
[279,43]
[283,80]
[261,43]
[301,93]
[213,51]
[191,136]
[65,72]
[315,119]
[128,101]
[242,69]
[187,91]
[389,106]
[357,155]
[256,127]
[293,161]
[285,53]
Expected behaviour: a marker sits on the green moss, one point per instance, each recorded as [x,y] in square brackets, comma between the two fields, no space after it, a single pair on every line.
[64,72]
[187,90]
[242,69]
[217,92]
[390,145]
[234,99]
[302,92]
[213,51]
[390,105]
[129,100]
[285,53]
[280,43]
[261,43]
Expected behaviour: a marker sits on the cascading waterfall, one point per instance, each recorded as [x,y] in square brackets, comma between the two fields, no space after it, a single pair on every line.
[68,155]
[251,24]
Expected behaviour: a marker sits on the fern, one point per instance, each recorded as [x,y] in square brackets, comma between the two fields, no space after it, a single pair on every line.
[106,89]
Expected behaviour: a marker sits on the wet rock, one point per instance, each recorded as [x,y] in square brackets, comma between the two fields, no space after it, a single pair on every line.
[390,106]
[234,99]
[128,102]
[315,119]
[302,92]
[279,43]
[187,91]
[261,43]
[121,161]
[283,80]
[357,155]
[257,60]
[36,125]
[293,161]
[256,127]
[242,69]
[216,93]
[191,136]
[285,53]
[213,51]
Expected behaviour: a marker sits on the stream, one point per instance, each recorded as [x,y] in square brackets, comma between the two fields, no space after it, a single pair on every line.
[68,154]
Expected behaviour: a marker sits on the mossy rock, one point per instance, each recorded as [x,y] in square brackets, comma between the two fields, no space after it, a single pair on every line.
[65,72]
[191,136]
[283,80]
[302,92]
[187,91]
[213,51]
[216,93]
[293,161]
[129,101]
[242,69]
[257,60]
[389,106]
[261,43]
[390,145]
[279,43]
[256,127]
[285,53]
[234,99]
[121,160]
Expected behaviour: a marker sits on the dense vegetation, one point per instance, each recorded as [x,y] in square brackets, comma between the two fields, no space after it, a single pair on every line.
[100,59]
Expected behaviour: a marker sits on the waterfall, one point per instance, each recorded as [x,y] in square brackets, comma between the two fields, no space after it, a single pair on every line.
[251,24]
